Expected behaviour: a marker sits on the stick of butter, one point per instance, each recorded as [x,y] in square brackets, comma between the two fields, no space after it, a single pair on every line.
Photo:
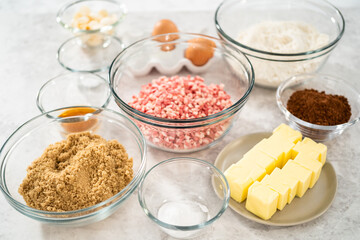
[240,178]
[281,186]
[275,183]
[262,201]
[308,145]
[299,173]
[260,160]
[288,133]
[308,160]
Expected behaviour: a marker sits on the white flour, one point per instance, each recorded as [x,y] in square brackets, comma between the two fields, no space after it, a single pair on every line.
[282,37]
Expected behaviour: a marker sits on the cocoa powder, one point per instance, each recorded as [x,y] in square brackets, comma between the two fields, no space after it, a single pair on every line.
[319,108]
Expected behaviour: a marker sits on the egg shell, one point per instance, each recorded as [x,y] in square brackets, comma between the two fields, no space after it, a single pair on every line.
[200,50]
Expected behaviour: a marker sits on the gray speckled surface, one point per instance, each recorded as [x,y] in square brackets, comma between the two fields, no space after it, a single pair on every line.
[28,44]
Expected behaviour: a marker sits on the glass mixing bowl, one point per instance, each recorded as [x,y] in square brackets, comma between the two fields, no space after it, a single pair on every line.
[67,14]
[94,24]
[178,195]
[271,68]
[89,53]
[319,82]
[73,89]
[150,59]
[29,141]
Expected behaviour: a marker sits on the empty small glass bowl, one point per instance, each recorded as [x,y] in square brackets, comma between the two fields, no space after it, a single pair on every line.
[271,68]
[73,89]
[319,82]
[91,52]
[30,140]
[178,195]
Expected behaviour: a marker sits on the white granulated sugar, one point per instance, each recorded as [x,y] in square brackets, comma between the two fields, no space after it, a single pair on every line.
[282,37]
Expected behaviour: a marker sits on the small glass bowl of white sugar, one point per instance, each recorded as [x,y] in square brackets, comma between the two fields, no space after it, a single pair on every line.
[178,195]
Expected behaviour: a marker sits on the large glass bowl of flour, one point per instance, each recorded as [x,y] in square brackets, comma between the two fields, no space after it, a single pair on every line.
[281,38]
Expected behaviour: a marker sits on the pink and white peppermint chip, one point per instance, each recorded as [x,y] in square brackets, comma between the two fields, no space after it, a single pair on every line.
[182,98]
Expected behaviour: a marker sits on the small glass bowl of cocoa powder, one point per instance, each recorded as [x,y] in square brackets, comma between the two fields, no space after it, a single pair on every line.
[320,106]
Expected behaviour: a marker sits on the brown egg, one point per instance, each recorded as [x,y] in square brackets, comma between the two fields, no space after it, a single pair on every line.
[200,50]
[162,27]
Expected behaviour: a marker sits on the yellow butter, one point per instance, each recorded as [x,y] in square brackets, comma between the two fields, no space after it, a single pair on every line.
[262,201]
[298,173]
[272,153]
[308,145]
[261,159]
[241,177]
[274,182]
[287,132]
[308,161]
[292,183]
[319,147]
[277,147]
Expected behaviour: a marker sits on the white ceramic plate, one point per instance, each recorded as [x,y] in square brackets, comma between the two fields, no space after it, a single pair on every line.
[313,204]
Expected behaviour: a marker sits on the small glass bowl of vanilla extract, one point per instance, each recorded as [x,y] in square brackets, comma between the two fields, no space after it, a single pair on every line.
[79,93]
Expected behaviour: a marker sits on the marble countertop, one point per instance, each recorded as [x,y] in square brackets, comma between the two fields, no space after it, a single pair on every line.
[29,41]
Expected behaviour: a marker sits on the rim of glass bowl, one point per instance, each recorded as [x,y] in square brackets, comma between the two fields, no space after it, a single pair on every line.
[328,46]
[233,108]
[179,227]
[123,12]
[288,115]
[47,215]
[40,92]
[101,69]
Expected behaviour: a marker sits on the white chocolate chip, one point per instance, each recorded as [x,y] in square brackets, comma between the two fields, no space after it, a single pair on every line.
[94,25]
[86,20]
[83,20]
[106,21]
[103,13]
[84,10]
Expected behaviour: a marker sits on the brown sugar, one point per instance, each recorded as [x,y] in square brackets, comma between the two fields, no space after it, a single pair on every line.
[319,108]
[78,172]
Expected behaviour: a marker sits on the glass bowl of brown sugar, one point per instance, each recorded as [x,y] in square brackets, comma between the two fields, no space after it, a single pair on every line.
[320,106]
[72,170]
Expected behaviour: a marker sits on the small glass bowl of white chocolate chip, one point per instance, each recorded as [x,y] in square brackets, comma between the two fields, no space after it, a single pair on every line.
[95,44]
[91,16]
